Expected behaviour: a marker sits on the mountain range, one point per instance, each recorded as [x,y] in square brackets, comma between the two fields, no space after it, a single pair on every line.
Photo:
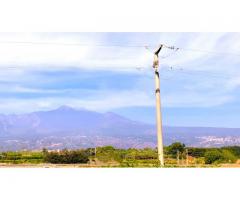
[66,127]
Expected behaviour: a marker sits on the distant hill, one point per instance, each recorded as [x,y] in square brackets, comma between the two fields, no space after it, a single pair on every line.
[67,127]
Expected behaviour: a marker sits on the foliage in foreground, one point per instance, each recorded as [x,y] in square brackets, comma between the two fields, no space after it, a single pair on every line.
[175,154]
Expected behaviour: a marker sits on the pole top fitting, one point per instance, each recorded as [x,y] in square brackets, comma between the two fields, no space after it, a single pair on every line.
[158,50]
[156,62]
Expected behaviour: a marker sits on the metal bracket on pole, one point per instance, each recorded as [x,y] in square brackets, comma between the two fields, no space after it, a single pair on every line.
[156,62]
[158,50]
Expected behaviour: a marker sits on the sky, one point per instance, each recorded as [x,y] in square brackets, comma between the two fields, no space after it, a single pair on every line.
[112,72]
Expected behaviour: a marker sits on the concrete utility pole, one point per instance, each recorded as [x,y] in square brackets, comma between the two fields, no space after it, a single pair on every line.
[178,157]
[158,106]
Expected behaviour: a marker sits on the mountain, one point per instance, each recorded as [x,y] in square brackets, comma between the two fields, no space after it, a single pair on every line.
[67,127]
[65,120]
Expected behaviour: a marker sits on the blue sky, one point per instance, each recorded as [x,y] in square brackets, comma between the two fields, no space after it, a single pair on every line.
[201,89]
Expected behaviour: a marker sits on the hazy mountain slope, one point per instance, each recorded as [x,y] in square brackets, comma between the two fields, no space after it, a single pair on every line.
[65,120]
[66,127]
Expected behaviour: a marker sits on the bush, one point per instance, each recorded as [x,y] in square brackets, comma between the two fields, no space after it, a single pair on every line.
[229,156]
[66,157]
[213,156]
[235,150]
[219,156]
[196,152]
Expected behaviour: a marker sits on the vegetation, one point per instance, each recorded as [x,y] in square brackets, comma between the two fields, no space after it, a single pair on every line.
[213,156]
[174,148]
[196,152]
[235,150]
[21,157]
[176,154]
[66,157]
[219,156]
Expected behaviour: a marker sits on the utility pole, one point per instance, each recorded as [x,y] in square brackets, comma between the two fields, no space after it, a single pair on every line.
[95,155]
[187,156]
[158,107]
[178,157]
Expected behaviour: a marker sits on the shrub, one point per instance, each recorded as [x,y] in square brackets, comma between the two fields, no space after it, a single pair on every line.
[66,157]
[228,156]
[196,152]
[234,150]
[213,156]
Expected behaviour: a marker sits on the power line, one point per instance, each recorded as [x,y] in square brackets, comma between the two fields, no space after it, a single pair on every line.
[147,47]
[71,44]
[205,74]
[163,57]
[147,69]
[196,72]
[203,51]
[136,68]
[211,52]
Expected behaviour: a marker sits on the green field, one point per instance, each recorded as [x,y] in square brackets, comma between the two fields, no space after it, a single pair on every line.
[21,157]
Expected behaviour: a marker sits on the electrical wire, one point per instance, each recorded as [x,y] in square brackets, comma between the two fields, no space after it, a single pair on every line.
[118,45]
[198,73]
[147,47]
[175,50]
[136,68]
[147,70]
[202,51]
[211,52]
[70,44]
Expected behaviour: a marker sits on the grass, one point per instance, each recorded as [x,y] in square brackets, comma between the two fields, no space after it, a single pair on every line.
[27,157]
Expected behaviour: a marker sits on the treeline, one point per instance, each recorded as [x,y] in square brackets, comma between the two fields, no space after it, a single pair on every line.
[57,157]
[174,154]
[210,155]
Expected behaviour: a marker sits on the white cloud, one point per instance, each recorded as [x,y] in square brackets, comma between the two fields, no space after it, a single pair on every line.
[101,101]
[112,58]
[194,99]
[195,92]
[105,100]
[27,55]
[55,53]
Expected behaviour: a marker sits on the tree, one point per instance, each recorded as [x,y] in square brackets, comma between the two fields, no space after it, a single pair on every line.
[213,156]
[44,151]
[174,148]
